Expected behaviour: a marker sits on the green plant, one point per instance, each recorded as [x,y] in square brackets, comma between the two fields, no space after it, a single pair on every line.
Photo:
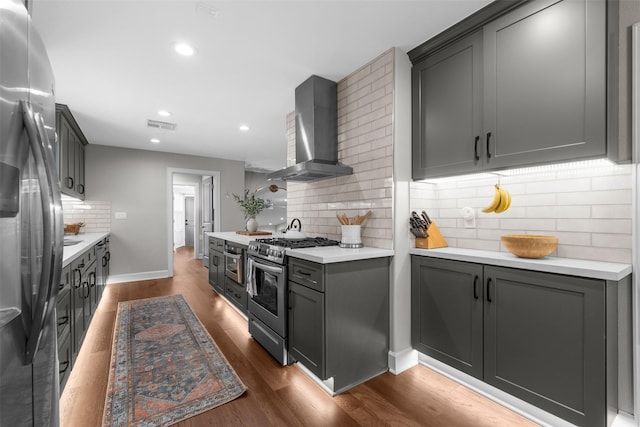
[250,204]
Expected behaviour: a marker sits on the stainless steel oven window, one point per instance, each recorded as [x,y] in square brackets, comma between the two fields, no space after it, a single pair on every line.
[268,280]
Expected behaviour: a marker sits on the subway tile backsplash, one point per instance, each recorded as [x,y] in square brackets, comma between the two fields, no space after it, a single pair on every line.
[95,214]
[589,209]
[365,114]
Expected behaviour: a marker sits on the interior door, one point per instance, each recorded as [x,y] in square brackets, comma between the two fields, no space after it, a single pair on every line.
[189,220]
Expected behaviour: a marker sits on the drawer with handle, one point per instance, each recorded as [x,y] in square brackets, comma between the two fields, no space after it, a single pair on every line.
[307,273]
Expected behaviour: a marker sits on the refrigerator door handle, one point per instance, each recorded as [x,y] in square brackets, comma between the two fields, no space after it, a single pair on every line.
[53,233]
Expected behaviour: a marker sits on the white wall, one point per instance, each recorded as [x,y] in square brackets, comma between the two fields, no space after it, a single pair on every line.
[135,182]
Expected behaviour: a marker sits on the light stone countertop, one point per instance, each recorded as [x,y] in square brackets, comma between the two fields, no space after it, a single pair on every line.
[567,266]
[322,255]
[87,240]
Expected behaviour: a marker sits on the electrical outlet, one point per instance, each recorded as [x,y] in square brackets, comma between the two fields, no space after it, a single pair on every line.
[121,215]
[469,217]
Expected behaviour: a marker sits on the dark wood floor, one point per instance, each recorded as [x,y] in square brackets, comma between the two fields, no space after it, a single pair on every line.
[276,395]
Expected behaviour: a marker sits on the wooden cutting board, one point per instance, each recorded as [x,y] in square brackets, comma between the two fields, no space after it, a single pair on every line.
[254,233]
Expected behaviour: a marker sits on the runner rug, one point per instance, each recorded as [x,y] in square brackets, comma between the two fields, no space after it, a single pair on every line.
[165,367]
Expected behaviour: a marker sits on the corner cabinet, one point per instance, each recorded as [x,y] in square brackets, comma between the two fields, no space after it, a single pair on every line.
[71,148]
[526,87]
[548,339]
[338,325]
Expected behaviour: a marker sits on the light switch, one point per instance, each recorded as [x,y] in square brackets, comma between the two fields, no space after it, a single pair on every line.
[121,215]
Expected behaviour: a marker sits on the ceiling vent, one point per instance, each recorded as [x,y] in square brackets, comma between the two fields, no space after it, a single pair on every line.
[155,124]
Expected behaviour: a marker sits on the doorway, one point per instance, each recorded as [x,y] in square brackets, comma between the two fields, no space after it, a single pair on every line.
[183,195]
[189,183]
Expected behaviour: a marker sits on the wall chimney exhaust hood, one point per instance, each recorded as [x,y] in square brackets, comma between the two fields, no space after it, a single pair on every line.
[316,118]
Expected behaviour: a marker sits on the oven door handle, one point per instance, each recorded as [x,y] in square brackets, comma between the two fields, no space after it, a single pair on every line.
[232,255]
[256,265]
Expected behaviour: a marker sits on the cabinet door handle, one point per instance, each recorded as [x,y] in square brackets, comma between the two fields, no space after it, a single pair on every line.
[475,287]
[304,273]
[69,182]
[489,290]
[476,156]
[488,145]
[66,366]
[63,320]
[81,188]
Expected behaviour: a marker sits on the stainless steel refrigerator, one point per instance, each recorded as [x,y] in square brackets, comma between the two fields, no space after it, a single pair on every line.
[31,226]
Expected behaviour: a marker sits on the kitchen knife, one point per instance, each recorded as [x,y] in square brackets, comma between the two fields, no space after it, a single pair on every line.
[426,218]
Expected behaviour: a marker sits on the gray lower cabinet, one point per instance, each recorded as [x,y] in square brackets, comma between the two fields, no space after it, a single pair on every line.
[548,339]
[338,324]
[447,312]
[216,264]
[526,87]
[236,294]
[77,301]
[306,328]
[64,311]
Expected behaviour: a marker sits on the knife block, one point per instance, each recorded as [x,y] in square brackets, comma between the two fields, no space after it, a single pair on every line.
[434,241]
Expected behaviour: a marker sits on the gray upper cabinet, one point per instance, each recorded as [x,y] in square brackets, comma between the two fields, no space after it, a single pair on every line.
[447,112]
[545,84]
[516,84]
[71,146]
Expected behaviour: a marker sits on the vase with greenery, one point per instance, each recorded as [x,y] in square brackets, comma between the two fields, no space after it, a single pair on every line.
[250,206]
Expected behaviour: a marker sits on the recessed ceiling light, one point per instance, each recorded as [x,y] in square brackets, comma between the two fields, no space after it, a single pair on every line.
[184,49]
[155,140]
[164,113]
[244,128]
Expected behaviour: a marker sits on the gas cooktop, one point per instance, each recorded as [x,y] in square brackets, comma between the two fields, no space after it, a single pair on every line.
[308,242]
[274,249]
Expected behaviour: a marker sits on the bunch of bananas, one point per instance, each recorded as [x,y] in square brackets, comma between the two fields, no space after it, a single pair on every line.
[501,201]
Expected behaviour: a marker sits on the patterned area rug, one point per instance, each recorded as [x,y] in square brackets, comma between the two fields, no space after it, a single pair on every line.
[165,367]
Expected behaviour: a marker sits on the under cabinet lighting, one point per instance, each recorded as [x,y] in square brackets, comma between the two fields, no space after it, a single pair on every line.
[244,128]
[155,140]
[571,168]
[164,113]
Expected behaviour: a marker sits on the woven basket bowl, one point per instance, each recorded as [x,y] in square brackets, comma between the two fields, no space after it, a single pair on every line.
[529,245]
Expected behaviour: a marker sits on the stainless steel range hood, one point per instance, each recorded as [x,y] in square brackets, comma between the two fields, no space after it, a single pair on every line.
[316,134]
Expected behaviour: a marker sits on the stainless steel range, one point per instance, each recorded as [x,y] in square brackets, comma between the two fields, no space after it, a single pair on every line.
[268,292]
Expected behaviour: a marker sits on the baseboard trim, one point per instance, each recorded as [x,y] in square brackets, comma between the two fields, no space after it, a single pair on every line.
[519,406]
[400,361]
[624,420]
[136,277]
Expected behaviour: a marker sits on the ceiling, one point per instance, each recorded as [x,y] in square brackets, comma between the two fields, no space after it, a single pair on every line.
[115,66]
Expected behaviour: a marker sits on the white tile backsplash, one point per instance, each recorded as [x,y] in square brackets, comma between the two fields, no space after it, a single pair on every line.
[95,214]
[589,209]
[365,142]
